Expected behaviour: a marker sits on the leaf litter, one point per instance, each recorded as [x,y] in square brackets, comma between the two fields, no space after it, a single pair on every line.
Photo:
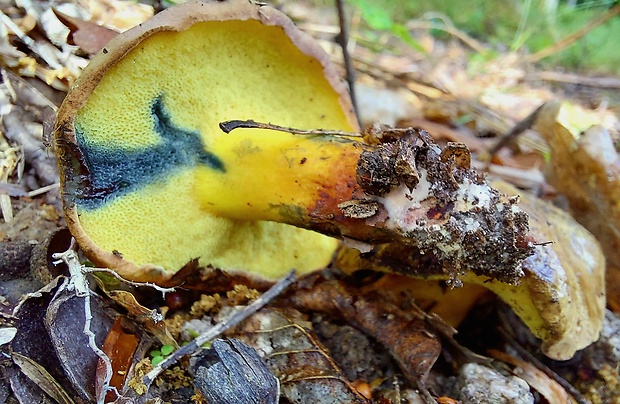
[43,49]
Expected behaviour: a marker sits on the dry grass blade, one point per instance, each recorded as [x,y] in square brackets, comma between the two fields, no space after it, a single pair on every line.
[42,378]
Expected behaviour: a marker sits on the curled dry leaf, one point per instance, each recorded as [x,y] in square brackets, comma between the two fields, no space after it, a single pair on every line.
[31,315]
[297,358]
[90,37]
[150,319]
[586,169]
[120,347]
[561,298]
[64,320]
[407,336]
[41,377]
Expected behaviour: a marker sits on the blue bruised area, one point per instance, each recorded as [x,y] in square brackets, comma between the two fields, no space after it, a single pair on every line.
[114,171]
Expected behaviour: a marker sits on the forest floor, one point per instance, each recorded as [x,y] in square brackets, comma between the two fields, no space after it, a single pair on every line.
[454,89]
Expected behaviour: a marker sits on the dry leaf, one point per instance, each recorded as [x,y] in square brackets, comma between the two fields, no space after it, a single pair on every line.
[120,347]
[42,378]
[151,320]
[536,378]
[406,335]
[65,319]
[90,37]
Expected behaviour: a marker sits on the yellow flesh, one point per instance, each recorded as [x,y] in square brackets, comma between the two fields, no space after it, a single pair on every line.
[212,72]
[270,175]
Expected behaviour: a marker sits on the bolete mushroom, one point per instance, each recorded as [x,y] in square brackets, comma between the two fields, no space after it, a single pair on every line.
[150,181]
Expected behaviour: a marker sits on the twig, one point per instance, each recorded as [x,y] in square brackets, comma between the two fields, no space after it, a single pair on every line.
[343,41]
[449,28]
[533,360]
[600,82]
[82,289]
[131,283]
[218,329]
[43,190]
[570,39]
[229,126]
[516,130]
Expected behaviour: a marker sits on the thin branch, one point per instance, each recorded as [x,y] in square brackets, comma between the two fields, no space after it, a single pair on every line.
[343,40]
[599,82]
[229,126]
[218,329]
[516,130]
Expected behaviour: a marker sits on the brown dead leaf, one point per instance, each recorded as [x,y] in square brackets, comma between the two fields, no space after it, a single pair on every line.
[209,280]
[586,169]
[406,335]
[149,319]
[120,347]
[42,378]
[90,37]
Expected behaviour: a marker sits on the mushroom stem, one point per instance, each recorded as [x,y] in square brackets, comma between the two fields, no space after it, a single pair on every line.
[400,189]
[269,175]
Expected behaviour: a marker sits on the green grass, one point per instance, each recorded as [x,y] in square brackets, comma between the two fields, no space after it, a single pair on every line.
[510,24]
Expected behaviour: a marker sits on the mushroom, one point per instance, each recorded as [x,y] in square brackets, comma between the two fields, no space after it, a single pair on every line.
[150,180]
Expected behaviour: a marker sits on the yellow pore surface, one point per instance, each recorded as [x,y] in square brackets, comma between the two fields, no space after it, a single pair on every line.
[212,72]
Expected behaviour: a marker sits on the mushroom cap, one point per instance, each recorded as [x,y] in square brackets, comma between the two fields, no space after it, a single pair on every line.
[562,297]
[143,115]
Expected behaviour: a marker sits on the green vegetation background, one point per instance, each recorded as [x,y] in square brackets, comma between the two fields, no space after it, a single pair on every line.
[510,26]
